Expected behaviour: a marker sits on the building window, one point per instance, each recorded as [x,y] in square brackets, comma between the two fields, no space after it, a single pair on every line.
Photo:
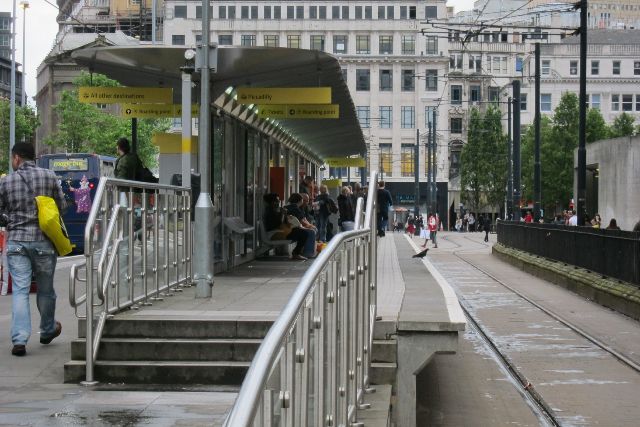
[475,94]
[431,12]
[222,12]
[317,43]
[456,125]
[615,102]
[362,45]
[595,68]
[573,67]
[244,12]
[386,117]
[456,94]
[494,94]
[231,12]
[627,102]
[428,115]
[345,75]
[431,45]
[313,12]
[254,12]
[385,160]
[225,39]
[345,12]
[248,40]
[293,41]
[637,102]
[407,117]
[412,12]
[408,44]
[335,12]
[431,79]
[363,79]
[299,12]
[358,12]
[368,12]
[291,12]
[523,102]
[595,101]
[177,39]
[364,116]
[407,161]
[386,80]
[267,12]
[277,12]
[408,81]
[636,68]
[616,68]
[545,102]
[407,12]
[199,12]
[339,44]
[390,12]
[545,67]
[403,12]
[386,45]
[322,12]
[381,12]
[475,63]
[455,61]
[272,40]
[180,12]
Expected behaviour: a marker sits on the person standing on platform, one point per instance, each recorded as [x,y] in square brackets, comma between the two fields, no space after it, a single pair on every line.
[326,206]
[127,163]
[486,225]
[346,209]
[432,223]
[306,186]
[29,252]
[384,203]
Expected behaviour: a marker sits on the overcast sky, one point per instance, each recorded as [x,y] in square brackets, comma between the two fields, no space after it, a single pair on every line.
[41,29]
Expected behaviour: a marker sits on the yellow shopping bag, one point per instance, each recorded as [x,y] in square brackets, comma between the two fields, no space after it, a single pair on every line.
[52,225]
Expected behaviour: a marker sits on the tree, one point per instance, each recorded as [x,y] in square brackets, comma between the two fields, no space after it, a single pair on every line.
[84,128]
[597,128]
[495,156]
[472,163]
[622,126]
[26,124]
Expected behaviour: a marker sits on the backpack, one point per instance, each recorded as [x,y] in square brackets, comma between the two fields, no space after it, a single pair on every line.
[331,204]
[143,174]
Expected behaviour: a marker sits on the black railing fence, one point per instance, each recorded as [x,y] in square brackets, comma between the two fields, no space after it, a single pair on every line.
[611,253]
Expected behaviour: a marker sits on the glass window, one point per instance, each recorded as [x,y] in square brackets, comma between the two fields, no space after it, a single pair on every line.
[277,14]
[475,63]
[244,12]
[428,115]
[408,81]
[199,39]
[368,12]
[363,79]
[432,45]
[345,12]
[494,94]
[386,80]
[615,102]
[386,45]
[322,12]
[573,68]
[199,12]
[177,39]
[627,102]
[291,12]
[403,12]
[231,12]
[407,161]
[293,41]
[317,43]
[412,12]
[545,67]
[272,40]
[381,14]
[267,12]
[313,12]
[385,159]
[362,44]
[455,61]
[431,79]
[222,12]
[254,12]
[595,101]
[616,68]
[180,12]
[637,102]
[545,102]
[636,68]
[225,39]
[364,116]
[390,12]
[523,102]
[456,125]
[248,40]
[408,44]
[335,12]
[345,74]
[299,12]
[386,117]
[339,44]
[595,68]
[358,12]
[407,117]
[475,94]
[456,94]
[431,12]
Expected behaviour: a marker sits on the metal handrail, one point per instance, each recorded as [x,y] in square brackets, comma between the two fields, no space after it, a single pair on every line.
[250,395]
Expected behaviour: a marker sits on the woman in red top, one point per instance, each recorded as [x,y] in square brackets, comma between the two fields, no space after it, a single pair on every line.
[528,218]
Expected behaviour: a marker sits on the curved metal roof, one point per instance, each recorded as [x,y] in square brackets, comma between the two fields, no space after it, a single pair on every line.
[154,66]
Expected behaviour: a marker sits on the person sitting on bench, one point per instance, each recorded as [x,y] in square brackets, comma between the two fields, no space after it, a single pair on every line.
[275,219]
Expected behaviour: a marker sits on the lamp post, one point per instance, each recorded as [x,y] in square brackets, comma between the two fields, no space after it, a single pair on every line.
[24,5]
[12,107]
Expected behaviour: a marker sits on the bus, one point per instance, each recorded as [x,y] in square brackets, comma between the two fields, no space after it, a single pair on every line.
[78,175]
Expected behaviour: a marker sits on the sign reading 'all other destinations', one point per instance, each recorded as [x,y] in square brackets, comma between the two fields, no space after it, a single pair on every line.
[329,111]
[284,95]
[116,95]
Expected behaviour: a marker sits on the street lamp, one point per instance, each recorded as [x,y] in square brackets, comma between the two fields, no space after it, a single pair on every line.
[24,5]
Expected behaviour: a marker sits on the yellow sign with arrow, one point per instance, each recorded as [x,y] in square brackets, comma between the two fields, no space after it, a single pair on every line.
[116,95]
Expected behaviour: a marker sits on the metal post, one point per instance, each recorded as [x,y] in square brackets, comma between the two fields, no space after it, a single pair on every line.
[510,164]
[434,165]
[582,133]
[12,108]
[416,166]
[429,133]
[537,191]
[203,241]
[134,135]
[154,6]
[516,150]
[186,126]
[24,5]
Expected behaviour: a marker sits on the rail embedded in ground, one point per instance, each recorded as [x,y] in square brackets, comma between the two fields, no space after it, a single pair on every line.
[137,246]
[313,366]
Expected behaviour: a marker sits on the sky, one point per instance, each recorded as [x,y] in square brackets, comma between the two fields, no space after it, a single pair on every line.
[41,29]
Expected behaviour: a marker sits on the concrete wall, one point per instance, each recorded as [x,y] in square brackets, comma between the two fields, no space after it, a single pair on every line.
[618,161]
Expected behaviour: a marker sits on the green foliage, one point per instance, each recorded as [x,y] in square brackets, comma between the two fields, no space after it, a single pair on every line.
[597,129]
[472,163]
[26,124]
[622,126]
[84,128]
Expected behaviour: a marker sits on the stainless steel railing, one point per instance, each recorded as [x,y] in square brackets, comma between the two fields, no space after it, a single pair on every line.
[137,248]
[312,368]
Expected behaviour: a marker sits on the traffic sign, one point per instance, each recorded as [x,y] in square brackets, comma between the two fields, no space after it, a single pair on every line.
[116,95]
[284,95]
[329,111]
[344,162]
[146,111]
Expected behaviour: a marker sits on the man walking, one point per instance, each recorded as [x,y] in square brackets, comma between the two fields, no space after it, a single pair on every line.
[127,163]
[433,229]
[29,252]
[384,202]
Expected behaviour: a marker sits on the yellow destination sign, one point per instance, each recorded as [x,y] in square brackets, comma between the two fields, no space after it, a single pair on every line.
[345,162]
[172,143]
[329,111]
[116,95]
[284,95]
[148,111]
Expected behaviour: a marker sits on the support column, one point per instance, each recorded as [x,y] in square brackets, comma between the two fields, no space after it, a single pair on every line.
[516,150]
[537,185]
[582,133]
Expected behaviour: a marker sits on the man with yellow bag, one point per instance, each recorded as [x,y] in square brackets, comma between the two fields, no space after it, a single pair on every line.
[29,251]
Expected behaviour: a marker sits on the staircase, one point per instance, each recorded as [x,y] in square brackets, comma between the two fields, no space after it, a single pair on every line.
[383,356]
[153,350]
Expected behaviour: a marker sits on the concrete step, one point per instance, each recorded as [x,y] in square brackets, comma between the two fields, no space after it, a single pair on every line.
[160,327]
[379,414]
[383,373]
[164,372]
[384,329]
[384,351]
[160,349]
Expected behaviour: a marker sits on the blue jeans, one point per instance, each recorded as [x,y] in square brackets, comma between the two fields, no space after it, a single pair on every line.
[310,244]
[322,227]
[25,260]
